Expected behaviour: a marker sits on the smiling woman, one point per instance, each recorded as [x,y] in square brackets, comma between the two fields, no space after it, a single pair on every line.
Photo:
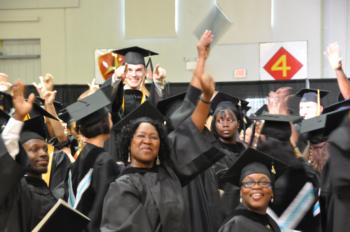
[254,172]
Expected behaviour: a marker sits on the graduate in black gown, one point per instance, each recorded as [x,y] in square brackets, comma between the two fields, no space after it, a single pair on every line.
[227,121]
[333,195]
[255,173]
[24,196]
[336,180]
[129,90]
[90,175]
[148,196]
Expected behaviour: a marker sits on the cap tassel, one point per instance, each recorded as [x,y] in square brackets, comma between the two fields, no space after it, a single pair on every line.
[318,102]
[273,170]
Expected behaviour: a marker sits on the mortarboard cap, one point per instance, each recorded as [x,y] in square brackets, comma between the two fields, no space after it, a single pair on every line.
[307,95]
[337,106]
[145,110]
[262,110]
[88,110]
[58,105]
[168,105]
[34,128]
[253,161]
[38,111]
[225,98]
[277,126]
[135,55]
[321,126]
[215,21]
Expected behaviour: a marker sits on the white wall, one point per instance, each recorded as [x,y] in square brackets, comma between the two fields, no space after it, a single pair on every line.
[72,30]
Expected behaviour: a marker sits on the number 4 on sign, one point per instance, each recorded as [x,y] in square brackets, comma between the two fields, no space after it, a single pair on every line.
[281,65]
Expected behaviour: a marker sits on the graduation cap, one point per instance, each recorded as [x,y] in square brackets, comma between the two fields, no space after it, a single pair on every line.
[337,106]
[136,55]
[58,105]
[38,111]
[169,105]
[34,128]
[145,110]
[262,110]
[5,101]
[318,128]
[307,95]
[224,99]
[253,161]
[88,110]
[277,126]
[215,21]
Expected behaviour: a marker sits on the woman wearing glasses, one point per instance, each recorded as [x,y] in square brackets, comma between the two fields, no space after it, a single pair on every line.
[254,172]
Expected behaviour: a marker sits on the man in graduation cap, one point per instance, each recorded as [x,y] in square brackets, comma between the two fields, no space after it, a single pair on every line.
[134,74]
[24,196]
[311,102]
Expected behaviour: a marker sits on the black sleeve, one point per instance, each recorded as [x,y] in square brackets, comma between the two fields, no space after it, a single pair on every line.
[193,151]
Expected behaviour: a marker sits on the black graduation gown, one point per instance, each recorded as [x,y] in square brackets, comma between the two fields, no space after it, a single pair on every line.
[248,221]
[152,200]
[231,193]
[104,171]
[59,169]
[337,178]
[23,200]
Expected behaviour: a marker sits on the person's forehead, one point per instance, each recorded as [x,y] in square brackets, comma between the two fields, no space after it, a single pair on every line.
[33,142]
[308,103]
[135,66]
[256,176]
[226,113]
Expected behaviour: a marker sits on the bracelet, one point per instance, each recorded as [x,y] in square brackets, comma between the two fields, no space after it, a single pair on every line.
[204,101]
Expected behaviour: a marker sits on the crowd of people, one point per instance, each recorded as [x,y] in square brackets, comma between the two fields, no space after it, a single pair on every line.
[132,159]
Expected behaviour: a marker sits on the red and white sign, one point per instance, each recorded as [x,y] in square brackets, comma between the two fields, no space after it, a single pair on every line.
[283,61]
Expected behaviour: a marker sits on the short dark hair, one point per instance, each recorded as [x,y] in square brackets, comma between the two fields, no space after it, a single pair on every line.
[98,128]
[129,130]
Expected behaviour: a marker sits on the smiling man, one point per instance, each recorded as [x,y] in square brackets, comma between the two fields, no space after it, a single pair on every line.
[24,196]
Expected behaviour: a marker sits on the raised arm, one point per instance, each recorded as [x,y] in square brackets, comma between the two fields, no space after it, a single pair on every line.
[203,48]
[333,55]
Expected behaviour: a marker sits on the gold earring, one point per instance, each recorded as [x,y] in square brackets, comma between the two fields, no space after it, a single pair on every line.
[129,157]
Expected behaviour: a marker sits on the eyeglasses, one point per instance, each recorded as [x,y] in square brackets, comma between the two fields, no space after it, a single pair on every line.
[251,184]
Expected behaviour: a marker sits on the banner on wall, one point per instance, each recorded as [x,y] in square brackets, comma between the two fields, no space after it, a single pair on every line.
[105,63]
[283,61]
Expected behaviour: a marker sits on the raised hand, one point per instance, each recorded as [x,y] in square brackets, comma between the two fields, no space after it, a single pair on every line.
[93,86]
[22,106]
[121,72]
[159,73]
[45,84]
[333,54]
[203,45]
[49,96]
[278,101]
